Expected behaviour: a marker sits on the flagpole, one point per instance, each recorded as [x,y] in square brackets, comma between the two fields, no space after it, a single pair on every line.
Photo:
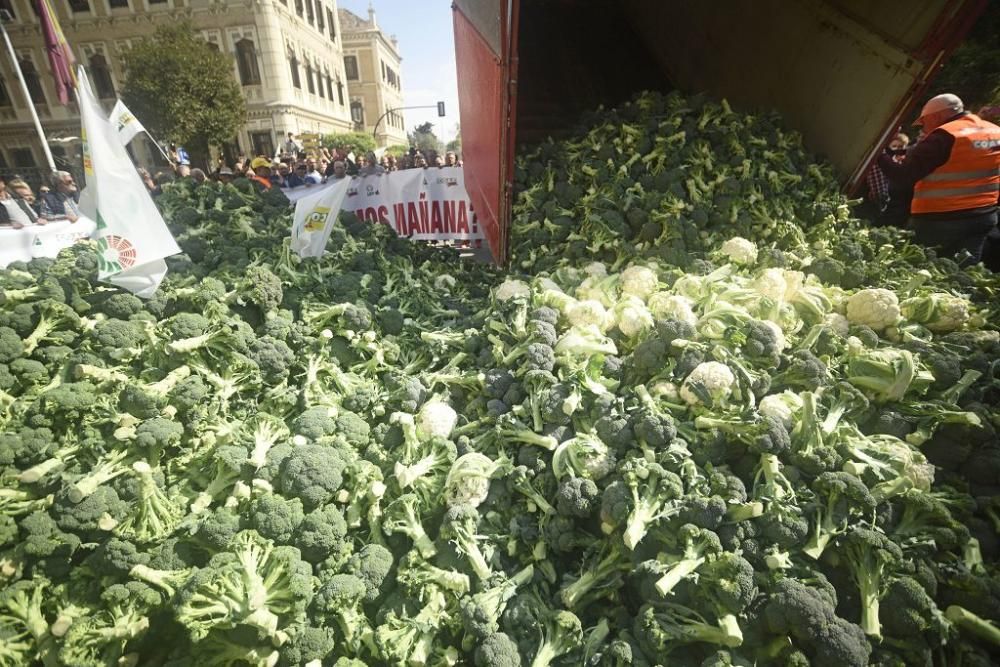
[4,17]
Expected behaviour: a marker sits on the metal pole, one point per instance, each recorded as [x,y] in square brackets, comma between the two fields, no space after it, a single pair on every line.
[382,117]
[27,96]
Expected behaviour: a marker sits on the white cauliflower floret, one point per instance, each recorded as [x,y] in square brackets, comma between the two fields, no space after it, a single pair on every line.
[664,305]
[445,282]
[583,313]
[876,307]
[710,380]
[632,317]
[639,281]
[436,419]
[940,313]
[781,406]
[740,251]
[771,283]
[837,323]
[543,283]
[779,336]
[596,269]
[468,480]
[511,289]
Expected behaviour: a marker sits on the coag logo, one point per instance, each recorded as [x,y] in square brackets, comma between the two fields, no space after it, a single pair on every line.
[986,143]
[317,219]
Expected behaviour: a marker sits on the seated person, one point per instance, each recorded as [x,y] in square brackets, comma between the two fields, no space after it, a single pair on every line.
[15,209]
[61,201]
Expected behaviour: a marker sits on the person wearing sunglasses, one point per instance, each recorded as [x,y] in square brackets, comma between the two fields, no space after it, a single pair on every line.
[61,201]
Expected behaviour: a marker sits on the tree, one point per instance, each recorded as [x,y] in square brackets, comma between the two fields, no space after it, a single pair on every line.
[359,142]
[424,139]
[183,90]
[397,149]
[455,145]
[973,71]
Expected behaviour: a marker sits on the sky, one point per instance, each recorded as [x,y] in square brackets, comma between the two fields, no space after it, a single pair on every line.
[427,47]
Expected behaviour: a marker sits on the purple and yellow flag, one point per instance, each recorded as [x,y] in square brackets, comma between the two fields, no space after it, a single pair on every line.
[61,58]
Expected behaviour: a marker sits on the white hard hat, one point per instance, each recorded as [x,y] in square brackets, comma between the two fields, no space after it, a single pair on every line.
[943,102]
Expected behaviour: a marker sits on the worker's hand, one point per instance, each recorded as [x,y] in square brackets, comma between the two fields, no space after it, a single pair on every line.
[42,221]
[17,225]
[72,218]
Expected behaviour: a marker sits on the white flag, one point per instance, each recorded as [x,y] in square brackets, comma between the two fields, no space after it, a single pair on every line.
[314,218]
[126,124]
[131,235]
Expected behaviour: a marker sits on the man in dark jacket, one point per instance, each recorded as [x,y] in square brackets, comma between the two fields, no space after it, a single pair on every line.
[955,172]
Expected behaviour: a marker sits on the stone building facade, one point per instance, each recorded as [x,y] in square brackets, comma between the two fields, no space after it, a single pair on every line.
[286,54]
[373,69]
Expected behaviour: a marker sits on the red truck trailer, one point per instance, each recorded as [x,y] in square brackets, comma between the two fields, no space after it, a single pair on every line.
[845,73]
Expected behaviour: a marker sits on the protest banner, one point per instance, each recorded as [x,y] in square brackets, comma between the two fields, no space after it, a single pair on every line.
[420,204]
[314,218]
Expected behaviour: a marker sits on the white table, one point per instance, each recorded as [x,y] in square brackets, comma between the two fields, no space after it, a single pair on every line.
[21,245]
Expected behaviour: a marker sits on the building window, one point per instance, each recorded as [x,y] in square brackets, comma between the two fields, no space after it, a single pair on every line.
[351,68]
[118,4]
[329,87]
[309,79]
[157,2]
[3,161]
[9,6]
[101,74]
[262,143]
[319,16]
[319,82]
[383,70]
[332,25]
[357,112]
[293,64]
[213,46]
[23,157]
[298,7]
[246,60]
[309,12]
[34,83]
[340,92]
[4,95]
[79,5]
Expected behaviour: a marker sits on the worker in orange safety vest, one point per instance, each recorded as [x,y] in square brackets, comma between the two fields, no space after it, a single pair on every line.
[955,173]
[262,172]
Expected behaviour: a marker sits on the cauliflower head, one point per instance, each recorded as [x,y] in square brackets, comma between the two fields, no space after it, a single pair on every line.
[512,289]
[876,307]
[740,251]
[940,313]
[639,281]
[664,305]
[709,384]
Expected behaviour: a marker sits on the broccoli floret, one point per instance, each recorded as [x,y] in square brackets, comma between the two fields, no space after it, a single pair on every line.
[273,357]
[703,511]
[562,634]
[563,535]
[762,434]
[323,535]
[693,547]
[216,529]
[909,614]
[157,435]
[480,613]
[662,629]
[372,565]
[600,575]
[577,497]
[308,645]
[341,599]
[262,288]
[803,370]
[275,517]
[312,473]
[94,517]
[41,537]
[654,427]
[497,650]
[119,340]
[654,494]
[316,423]
[802,612]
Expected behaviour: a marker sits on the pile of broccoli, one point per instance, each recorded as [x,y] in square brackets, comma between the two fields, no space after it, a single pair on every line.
[706,419]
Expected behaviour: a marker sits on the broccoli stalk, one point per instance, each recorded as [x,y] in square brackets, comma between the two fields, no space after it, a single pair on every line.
[561,634]
[519,479]
[697,545]
[53,464]
[654,495]
[155,514]
[844,495]
[664,626]
[402,516]
[105,470]
[21,606]
[973,624]
[266,435]
[596,576]
[416,573]
[867,555]
[409,641]
[460,526]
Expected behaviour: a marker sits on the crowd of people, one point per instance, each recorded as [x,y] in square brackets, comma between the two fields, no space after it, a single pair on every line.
[292,167]
[945,185]
[58,200]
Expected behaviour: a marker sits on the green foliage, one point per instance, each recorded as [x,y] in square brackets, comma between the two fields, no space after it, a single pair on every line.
[359,142]
[183,90]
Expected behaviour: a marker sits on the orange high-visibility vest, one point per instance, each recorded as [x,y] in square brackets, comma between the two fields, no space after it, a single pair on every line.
[263,181]
[971,176]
